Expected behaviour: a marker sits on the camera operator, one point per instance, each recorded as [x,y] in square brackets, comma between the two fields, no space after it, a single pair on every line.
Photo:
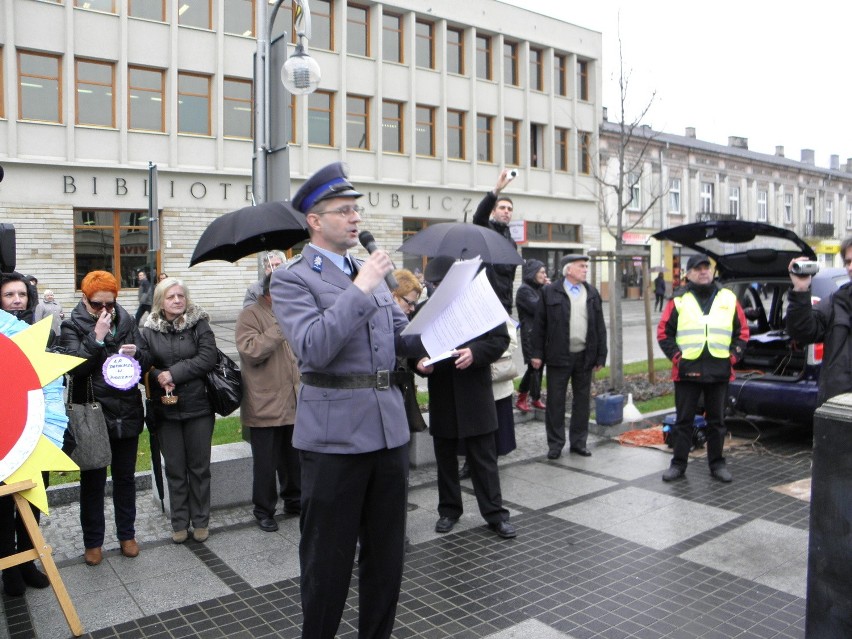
[828,321]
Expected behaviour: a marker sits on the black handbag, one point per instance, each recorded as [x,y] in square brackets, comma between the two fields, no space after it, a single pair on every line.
[88,429]
[224,385]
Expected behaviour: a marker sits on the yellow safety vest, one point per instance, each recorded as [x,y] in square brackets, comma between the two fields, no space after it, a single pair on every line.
[695,330]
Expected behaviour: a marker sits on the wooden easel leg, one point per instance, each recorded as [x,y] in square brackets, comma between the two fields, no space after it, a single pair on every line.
[45,553]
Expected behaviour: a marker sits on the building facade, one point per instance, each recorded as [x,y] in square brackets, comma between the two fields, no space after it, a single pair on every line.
[425,104]
[679,179]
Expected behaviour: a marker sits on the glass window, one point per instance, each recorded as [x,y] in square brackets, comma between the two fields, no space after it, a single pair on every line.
[829,211]
[95,93]
[705,204]
[512,141]
[238,117]
[193,103]
[547,232]
[584,147]
[392,38]
[357,122]
[425,130]
[510,63]
[455,50]
[560,151]
[810,205]
[239,17]
[485,138]
[96,5]
[358,30]
[483,58]
[762,206]
[536,145]
[425,44]
[147,9]
[322,19]
[2,97]
[392,126]
[536,69]
[788,208]
[674,195]
[560,66]
[114,241]
[40,82]
[196,13]
[321,118]
[635,202]
[583,80]
[848,212]
[146,93]
[456,134]
[734,202]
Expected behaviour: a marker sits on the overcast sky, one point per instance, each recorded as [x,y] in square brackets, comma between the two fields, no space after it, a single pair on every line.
[775,73]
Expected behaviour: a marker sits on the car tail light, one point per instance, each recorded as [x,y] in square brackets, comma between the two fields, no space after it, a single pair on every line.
[815,354]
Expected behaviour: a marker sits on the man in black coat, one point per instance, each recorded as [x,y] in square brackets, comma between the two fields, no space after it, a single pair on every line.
[569,335]
[461,409]
[495,212]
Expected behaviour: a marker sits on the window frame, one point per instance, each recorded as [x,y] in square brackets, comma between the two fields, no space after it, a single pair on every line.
[848,214]
[252,19]
[560,74]
[461,129]
[584,152]
[561,157]
[162,11]
[485,54]
[430,125]
[162,93]
[57,58]
[321,18]
[238,101]
[400,34]
[209,26]
[365,26]
[828,211]
[2,85]
[536,69]
[79,4]
[488,133]
[429,38]
[583,80]
[705,197]
[330,111]
[119,232]
[634,184]
[111,86]
[788,208]
[762,205]
[394,121]
[511,74]
[457,48]
[364,115]
[734,202]
[209,98]
[511,142]
[675,189]
[810,210]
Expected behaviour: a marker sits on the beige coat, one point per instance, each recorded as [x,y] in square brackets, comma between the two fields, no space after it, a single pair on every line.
[269,368]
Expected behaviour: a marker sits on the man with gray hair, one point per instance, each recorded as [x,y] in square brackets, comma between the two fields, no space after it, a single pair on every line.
[569,336]
[271,261]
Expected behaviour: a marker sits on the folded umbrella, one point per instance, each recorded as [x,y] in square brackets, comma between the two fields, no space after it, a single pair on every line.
[156,462]
[462,242]
[249,230]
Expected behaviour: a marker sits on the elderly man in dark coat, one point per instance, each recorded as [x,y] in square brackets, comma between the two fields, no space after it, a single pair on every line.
[461,408]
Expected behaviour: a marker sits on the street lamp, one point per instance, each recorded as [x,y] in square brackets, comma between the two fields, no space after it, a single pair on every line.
[300,75]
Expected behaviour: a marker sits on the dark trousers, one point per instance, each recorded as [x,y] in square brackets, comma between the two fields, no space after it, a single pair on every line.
[143,308]
[186,450]
[14,537]
[659,300]
[92,489]
[554,414]
[481,454]
[687,396]
[346,499]
[273,456]
[531,382]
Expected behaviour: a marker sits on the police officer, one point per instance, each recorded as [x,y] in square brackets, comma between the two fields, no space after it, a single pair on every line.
[703,331]
[340,318]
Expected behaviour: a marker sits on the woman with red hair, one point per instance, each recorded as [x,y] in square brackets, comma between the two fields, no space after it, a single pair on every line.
[97,329]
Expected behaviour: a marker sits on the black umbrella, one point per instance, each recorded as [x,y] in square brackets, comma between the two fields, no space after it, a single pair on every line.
[156,463]
[268,226]
[462,242]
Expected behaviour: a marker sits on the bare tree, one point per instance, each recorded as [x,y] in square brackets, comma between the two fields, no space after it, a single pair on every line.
[623,171]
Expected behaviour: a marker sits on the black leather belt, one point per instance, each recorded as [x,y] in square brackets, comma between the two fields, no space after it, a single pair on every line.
[381,380]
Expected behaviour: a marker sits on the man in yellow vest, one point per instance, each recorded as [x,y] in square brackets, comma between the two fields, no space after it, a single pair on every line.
[703,331]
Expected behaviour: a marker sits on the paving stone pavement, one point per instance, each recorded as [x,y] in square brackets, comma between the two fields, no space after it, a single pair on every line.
[605,549]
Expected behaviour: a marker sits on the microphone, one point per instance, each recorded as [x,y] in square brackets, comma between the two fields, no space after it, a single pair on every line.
[369,242]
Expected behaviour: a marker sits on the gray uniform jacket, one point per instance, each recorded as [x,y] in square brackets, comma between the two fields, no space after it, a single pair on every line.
[333,328]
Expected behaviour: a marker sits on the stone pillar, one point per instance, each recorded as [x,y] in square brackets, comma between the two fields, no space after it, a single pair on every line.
[829,598]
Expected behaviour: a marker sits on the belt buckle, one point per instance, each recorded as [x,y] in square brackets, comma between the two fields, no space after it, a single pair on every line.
[383,380]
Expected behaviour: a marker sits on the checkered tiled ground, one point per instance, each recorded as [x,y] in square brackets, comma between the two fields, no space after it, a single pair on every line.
[605,549]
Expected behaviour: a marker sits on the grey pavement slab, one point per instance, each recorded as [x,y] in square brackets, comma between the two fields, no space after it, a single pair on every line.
[260,558]
[178,588]
[620,462]
[540,485]
[530,629]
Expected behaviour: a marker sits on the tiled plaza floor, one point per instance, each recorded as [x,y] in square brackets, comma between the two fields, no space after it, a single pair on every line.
[605,549]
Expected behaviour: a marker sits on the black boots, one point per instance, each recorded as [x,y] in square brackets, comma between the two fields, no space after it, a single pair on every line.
[17,578]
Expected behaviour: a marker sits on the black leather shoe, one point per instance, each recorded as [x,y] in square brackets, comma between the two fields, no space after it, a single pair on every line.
[464,473]
[554,454]
[504,529]
[33,577]
[722,474]
[583,452]
[673,472]
[267,524]
[445,524]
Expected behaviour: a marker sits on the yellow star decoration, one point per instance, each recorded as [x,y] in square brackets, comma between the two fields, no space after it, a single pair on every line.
[48,367]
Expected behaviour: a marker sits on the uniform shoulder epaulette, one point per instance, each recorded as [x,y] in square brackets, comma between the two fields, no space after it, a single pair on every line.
[293,261]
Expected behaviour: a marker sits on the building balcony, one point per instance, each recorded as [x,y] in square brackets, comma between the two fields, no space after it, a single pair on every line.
[817,229]
[714,217]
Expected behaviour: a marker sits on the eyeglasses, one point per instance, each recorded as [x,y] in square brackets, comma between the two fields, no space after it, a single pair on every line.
[344,211]
[99,306]
[409,302]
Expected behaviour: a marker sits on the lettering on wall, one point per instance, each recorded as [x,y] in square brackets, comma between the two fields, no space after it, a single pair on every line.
[198,190]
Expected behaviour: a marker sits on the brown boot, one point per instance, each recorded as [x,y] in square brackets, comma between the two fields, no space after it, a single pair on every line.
[129,548]
[93,556]
[523,403]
